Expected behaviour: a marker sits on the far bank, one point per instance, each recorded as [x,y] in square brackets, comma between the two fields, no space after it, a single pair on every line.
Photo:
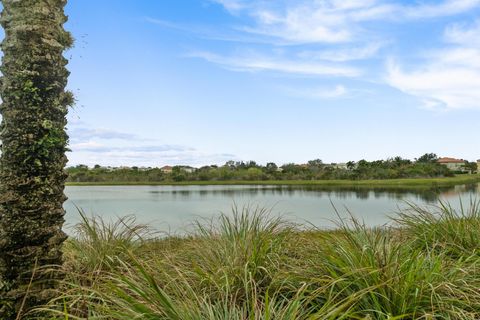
[393,183]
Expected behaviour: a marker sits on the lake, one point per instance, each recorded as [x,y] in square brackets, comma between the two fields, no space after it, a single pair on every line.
[174,208]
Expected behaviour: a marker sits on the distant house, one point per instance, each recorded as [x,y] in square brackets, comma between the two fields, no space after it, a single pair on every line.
[341,166]
[166,169]
[188,169]
[453,164]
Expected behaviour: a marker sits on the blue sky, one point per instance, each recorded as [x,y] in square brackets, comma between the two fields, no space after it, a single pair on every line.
[204,81]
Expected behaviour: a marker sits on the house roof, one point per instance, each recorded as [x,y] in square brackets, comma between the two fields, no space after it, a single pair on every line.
[450,160]
[166,167]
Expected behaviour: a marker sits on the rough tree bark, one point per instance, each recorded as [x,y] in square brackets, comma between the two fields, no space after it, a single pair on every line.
[32,177]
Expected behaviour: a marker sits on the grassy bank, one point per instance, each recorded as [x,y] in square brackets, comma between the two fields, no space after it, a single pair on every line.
[397,183]
[253,265]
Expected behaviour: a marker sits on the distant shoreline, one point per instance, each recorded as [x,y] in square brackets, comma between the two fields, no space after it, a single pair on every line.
[387,183]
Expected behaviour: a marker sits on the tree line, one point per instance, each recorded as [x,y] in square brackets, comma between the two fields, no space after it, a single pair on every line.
[425,166]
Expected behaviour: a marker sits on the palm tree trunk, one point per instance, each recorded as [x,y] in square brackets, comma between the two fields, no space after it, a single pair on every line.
[32,177]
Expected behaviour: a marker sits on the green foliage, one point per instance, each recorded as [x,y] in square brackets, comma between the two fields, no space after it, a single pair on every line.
[390,278]
[443,229]
[471,166]
[315,170]
[252,265]
[100,245]
[428,158]
[239,251]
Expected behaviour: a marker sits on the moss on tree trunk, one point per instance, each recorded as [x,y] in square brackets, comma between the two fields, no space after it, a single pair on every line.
[32,177]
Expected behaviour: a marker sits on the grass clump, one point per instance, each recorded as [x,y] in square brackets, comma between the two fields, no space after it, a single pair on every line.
[383,278]
[251,264]
[442,228]
[239,253]
[101,245]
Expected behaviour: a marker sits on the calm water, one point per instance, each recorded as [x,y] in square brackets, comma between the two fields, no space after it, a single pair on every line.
[173,208]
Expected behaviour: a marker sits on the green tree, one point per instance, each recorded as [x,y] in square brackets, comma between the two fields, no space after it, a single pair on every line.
[471,166]
[254,174]
[271,167]
[428,158]
[32,177]
[315,163]
[351,165]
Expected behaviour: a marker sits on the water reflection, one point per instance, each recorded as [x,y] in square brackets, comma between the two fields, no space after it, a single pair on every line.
[172,207]
[429,195]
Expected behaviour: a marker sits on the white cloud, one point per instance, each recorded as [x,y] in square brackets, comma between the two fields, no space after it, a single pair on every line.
[458,57]
[344,54]
[232,5]
[82,133]
[134,157]
[439,86]
[334,21]
[262,63]
[338,91]
[89,145]
[322,93]
[350,4]
[464,34]
[302,24]
[341,31]
[450,77]
[92,146]
[440,9]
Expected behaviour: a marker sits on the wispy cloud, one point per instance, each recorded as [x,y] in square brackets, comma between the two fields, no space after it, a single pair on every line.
[232,5]
[335,21]
[344,54]
[439,87]
[464,34]
[167,24]
[286,22]
[449,77]
[92,146]
[259,62]
[212,33]
[439,9]
[322,93]
[300,25]
[340,39]
[78,133]
[154,156]
[343,25]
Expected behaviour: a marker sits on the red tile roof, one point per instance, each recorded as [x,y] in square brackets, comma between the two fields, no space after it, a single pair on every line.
[450,160]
